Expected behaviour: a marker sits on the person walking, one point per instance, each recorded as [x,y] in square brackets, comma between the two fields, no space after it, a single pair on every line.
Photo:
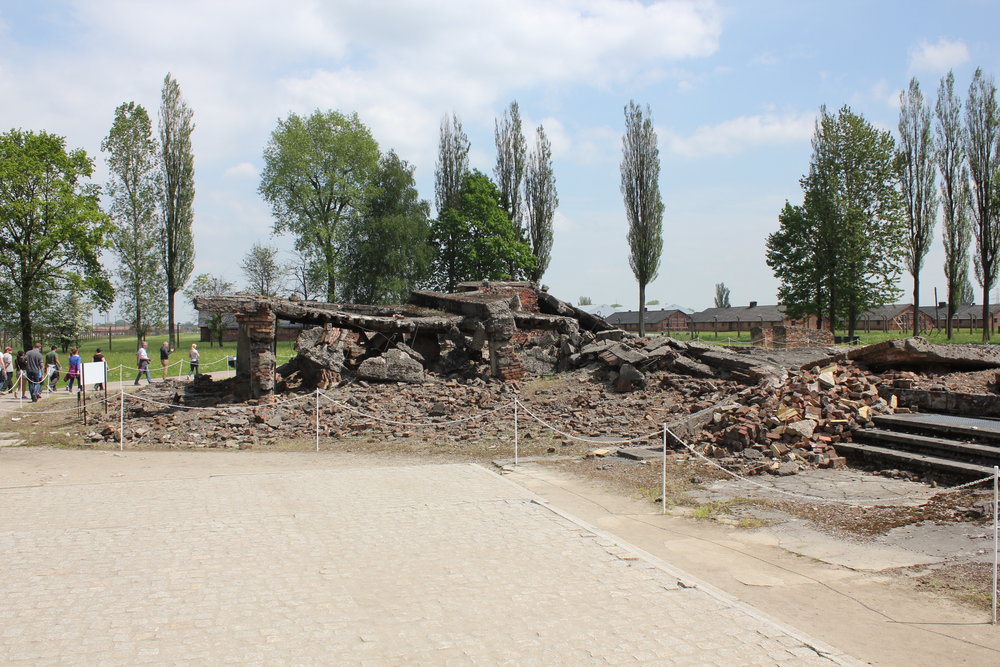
[73,372]
[52,368]
[34,365]
[194,356]
[165,351]
[8,367]
[142,356]
[21,364]
[99,358]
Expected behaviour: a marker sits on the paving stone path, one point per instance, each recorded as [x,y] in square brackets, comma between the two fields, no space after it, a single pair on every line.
[432,564]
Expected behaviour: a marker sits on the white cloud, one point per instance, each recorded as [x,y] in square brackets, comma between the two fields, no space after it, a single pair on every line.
[938,57]
[736,135]
[242,170]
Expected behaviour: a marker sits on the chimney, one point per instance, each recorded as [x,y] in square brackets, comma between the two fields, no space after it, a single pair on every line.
[753,304]
[942,304]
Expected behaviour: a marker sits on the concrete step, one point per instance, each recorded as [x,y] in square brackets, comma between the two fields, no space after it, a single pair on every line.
[943,447]
[912,461]
[953,427]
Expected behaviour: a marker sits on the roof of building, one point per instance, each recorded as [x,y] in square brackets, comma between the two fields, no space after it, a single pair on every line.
[741,314]
[652,316]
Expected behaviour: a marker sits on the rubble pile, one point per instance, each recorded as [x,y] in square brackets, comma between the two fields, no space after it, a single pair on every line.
[780,426]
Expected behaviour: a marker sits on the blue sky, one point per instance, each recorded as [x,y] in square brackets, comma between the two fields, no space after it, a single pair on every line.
[734,88]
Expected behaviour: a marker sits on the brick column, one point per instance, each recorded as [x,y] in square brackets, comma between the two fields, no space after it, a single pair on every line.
[256,340]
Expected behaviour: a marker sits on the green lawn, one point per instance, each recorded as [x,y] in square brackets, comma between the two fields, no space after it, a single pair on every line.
[122,352]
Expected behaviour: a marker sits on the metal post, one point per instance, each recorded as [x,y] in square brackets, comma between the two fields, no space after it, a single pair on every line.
[317,419]
[663,490]
[121,420]
[996,484]
[515,430]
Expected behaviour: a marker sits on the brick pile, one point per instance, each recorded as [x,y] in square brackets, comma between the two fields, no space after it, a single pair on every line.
[780,426]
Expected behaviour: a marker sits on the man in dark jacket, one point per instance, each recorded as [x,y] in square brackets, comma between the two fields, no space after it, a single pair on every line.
[35,363]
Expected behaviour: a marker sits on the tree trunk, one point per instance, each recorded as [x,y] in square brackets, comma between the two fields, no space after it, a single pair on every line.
[642,310]
[25,317]
[916,304]
[171,292]
[852,314]
[986,313]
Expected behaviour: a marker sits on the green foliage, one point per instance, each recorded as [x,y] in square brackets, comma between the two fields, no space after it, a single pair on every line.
[134,183]
[721,295]
[477,240]
[387,252]
[67,318]
[585,301]
[177,199]
[208,284]
[509,169]
[653,302]
[317,175]
[640,186]
[452,164]
[916,176]
[263,272]
[839,253]
[541,201]
[52,227]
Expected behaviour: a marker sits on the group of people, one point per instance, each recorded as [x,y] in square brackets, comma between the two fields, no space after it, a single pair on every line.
[28,372]
[142,359]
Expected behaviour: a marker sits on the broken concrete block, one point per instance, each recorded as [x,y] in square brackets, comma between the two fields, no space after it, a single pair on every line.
[393,366]
[629,378]
[804,428]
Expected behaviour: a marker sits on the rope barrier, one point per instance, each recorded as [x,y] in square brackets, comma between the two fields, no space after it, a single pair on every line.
[589,440]
[806,496]
[231,408]
[78,408]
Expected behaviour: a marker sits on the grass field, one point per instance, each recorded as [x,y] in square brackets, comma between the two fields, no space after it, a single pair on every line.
[122,353]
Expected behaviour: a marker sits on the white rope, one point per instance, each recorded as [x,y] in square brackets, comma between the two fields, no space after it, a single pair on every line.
[806,496]
[413,424]
[232,408]
[48,412]
[596,441]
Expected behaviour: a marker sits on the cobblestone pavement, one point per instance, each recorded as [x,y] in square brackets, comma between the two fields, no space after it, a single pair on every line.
[432,564]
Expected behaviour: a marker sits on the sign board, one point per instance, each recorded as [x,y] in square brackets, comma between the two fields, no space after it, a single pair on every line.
[94,372]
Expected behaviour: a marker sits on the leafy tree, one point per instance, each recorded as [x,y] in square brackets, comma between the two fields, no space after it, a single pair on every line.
[264,274]
[640,188]
[206,284]
[452,165]
[950,159]
[982,133]
[966,293]
[653,302]
[67,317]
[916,175]
[177,202]
[721,295]
[52,226]
[134,183]
[509,170]
[387,251]
[317,174]
[586,301]
[541,201]
[838,254]
[476,240]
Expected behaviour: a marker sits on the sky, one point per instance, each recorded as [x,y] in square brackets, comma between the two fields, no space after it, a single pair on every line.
[734,88]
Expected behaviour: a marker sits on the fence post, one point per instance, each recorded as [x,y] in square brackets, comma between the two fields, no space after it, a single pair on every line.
[317,419]
[996,546]
[121,419]
[663,490]
[515,430]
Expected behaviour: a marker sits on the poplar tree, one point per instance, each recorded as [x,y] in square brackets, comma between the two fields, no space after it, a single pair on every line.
[509,170]
[452,165]
[177,193]
[916,177]
[982,131]
[134,188]
[640,171]
[540,200]
[950,159]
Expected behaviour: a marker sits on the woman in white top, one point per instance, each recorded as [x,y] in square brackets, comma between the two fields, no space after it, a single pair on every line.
[194,356]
